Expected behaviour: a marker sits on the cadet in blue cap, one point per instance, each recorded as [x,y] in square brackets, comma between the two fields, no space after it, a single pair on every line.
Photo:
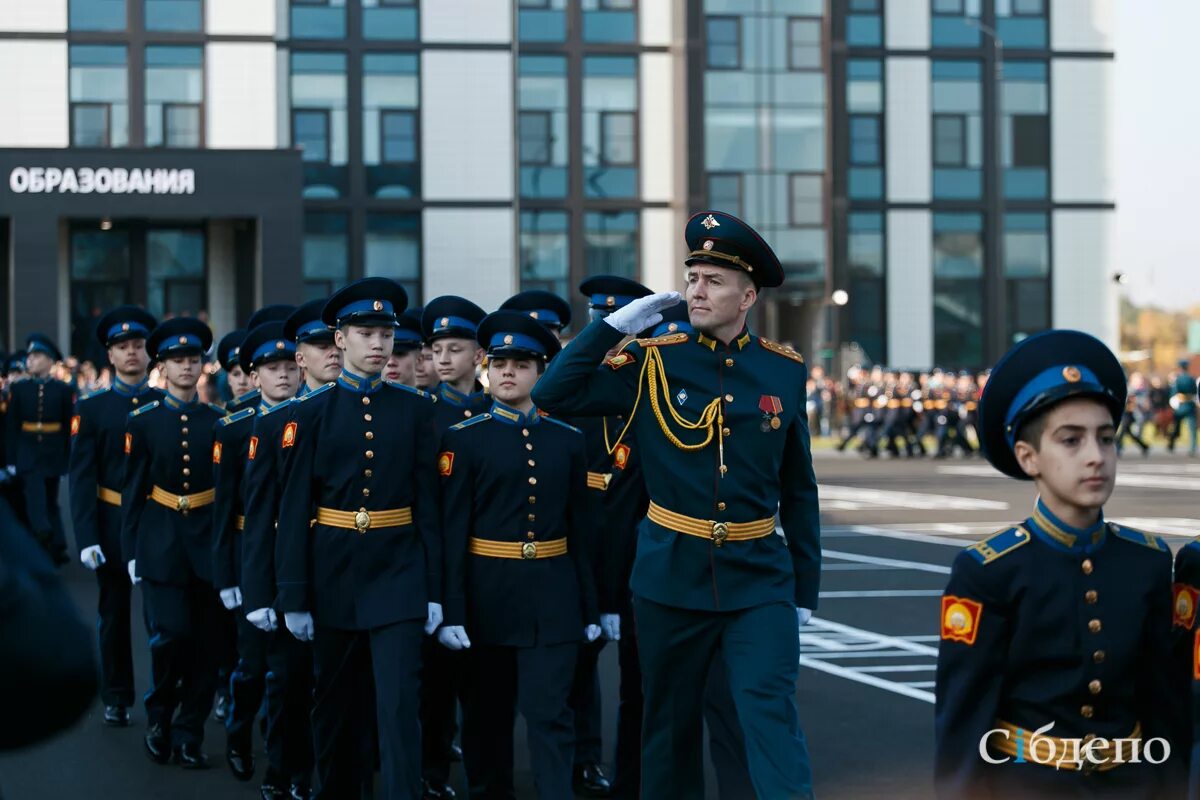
[424,375]
[359,548]
[406,352]
[552,311]
[725,446]
[97,473]
[241,388]
[166,538]
[449,324]
[37,442]
[1056,632]
[519,588]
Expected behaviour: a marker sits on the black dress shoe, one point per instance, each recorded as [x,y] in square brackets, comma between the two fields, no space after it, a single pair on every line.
[191,756]
[435,791]
[589,781]
[158,744]
[241,763]
[221,708]
[455,754]
[116,716]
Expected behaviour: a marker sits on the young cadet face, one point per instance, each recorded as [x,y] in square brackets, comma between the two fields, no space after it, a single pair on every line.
[320,362]
[182,373]
[717,296]
[425,375]
[277,380]
[239,382]
[455,360]
[511,380]
[402,368]
[129,357]
[365,348]
[38,364]
[1076,463]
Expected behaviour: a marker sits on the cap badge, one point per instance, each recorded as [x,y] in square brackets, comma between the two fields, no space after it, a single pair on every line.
[1072,374]
[124,326]
[708,244]
[280,345]
[183,340]
[445,323]
[610,301]
[710,222]
[377,305]
[533,314]
[508,339]
[672,327]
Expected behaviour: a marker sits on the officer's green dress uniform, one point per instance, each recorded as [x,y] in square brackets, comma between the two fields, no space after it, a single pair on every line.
[725,443]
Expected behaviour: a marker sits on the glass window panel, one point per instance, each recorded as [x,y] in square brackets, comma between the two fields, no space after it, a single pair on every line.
[958,290]
[174,93]
[390,85]
[318,83]
[100,255]
[804,44]
[97,15]
[393,250]
[867,312]
[389,20]
[174,15]
[864,86]
[399,137]
[724,42]
[807,193]
[545,251]
[798,139]
[175,272]
[865,5]
[731,138]
[725,192]
[949,140]
[609,21]
[99,90]
[318,19]
[610,243]
[609,85]
[618,138]
[534,132]
[865,140]
[89,125]
[542,125]
[310,132]
[182,126]
[542,20]
[864,30]
[326,261]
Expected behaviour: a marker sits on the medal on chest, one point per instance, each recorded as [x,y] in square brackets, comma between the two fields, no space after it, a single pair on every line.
[772,407]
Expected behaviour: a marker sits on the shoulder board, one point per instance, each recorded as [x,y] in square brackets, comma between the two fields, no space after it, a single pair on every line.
[781,349]
[96,393]
[220,410]
[621,359]
[1137,537]
[662,341]
[466,423]
[319,390]
[143,409]
[237,416]
[410,389]
[278,406]
[563,424]
[1000,543]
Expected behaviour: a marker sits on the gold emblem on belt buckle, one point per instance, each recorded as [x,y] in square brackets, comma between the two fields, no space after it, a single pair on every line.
[183,504]
[362,520]
[720,532]
[529,550]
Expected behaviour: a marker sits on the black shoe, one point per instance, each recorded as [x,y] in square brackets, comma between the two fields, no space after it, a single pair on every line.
[116,716]
[589,781]
[241,763]
[158,744]
[435,791]
[191,756]
[455,754]
[221,708]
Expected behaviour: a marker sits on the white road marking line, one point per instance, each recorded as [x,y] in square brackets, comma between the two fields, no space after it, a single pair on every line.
[1124,478]
[900,668]
[905,534]
[922,684]
[870,680]
[867,593]
[820,633]
[880,639]
[876,499]
[894,563]
[852,567]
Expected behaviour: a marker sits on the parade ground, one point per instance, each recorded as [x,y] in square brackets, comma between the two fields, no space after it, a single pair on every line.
[890,530]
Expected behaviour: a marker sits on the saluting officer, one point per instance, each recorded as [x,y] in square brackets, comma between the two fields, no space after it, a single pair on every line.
[37,441]
[516,522]
[364,578]
[166,537]
[97,474]
[725,445]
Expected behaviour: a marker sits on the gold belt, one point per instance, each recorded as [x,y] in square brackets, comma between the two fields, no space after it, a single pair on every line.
[1105,756]
[239,522]
[41,427]
[183,503]
[109,496]
[716,532]
[363,520]
[599,480]
[517,550]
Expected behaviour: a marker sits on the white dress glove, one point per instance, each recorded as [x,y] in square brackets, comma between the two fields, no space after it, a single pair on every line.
[92,557]
[642,313]
[434,618]
[454,637]
[264,619]
[231,598]
[300,623]
[611,625]
[133,572]
[803,615]
[591,633]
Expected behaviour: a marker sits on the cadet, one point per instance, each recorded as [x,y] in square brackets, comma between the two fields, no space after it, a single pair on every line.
[166,536]
[241,388]
[1183,402]
[1057,627]
[516,521]
[365,577]
[406,352]
[97,475]
[724,446]
[37,441]
[289,660]
[424,374]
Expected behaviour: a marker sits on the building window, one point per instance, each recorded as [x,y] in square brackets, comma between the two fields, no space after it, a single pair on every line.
[953,23]
[536,139]
[957,130]
[542,20]
[391,20]
[806,199]
[319,121]
[175,272]
[865,139]
[310,133]
[174,96]
[609,88]
[725,192]
[1025,131]
[99,96]
[98,15]
[393,250]
[864,23]
[609,21]
[101,274]
[318,19]
[542,121]
[864,103]
[949,140]
[610,243]
[545,252]
[174,15]
[724,42]
[326,259]
[391,133]
[958,290]
[1026,274]
[804,43]
[866,321]
[1022,23]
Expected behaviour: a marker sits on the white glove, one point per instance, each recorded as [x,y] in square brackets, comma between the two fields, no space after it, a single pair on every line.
[454,637]
[611,625]
[231,598]
[264,619]
[133,572]
[803,615]
[591,633]
[300,623]
[11,469]
[92,557]
[642,313]
[434,618]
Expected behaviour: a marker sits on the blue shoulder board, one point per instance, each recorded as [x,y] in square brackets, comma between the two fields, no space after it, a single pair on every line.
[237,416]
[466,423]
[1137,537]
[143,409]
[278,406]
[96,393]
[999,544]
[563,424]
[319,390]
[411,389]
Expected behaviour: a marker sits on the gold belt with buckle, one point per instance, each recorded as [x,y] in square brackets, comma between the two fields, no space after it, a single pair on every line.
[599,480]
[717,532]
[239,522]
[523,551]
[41,427]
[1105,756]
[363,520]
[183,503]
[113,498]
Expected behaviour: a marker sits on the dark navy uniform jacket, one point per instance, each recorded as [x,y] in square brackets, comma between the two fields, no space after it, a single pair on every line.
[262,487]
[1043,623]
[231,449]
[453,407]
[1187,647]
[38,423]
[360,444]
[98,462]
[625,505]
[168,444]
[506,476]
